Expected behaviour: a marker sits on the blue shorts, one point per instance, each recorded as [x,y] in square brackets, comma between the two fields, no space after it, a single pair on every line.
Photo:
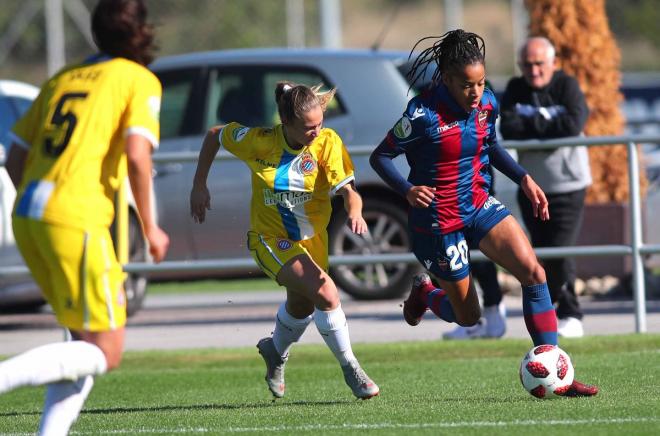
[448,256]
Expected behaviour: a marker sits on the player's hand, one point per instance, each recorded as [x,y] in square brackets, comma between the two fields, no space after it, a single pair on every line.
[357,224]
[200,202]
[420,196]
[537,197]
[159,242]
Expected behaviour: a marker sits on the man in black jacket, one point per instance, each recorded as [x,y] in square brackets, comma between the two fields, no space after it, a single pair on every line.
[547,103]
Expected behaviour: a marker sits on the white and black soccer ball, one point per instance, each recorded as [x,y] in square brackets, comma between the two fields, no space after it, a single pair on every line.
[546,371]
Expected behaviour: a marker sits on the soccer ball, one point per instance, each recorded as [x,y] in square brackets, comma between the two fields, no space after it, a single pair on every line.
[546,371]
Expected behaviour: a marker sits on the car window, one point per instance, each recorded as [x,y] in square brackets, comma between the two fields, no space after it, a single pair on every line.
[425,76]
[247,94]
[235,95]
[177,94]
[308,78]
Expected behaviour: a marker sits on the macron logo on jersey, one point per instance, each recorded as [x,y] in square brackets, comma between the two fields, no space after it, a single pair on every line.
[446,127]
[419,112]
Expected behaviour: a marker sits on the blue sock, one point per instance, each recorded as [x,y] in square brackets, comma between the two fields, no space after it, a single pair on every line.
[439,303]
[540,317]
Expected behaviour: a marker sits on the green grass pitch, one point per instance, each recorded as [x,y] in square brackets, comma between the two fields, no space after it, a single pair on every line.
[462,388]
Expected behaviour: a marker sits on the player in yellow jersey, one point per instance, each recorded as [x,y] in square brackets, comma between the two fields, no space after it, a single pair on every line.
[91,124]
[296,166]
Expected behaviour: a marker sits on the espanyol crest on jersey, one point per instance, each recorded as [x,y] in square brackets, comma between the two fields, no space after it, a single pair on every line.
[307,164]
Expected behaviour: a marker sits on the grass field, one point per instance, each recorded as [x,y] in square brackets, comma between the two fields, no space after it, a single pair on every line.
[462,388]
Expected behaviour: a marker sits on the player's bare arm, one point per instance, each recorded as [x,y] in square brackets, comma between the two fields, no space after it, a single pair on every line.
[353,206]
[138,154]
[200,198]
[536,197]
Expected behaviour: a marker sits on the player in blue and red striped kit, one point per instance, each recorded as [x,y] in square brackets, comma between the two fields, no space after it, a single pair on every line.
[448,137]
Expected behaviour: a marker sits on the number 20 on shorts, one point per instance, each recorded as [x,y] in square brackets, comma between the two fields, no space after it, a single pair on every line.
[458,254]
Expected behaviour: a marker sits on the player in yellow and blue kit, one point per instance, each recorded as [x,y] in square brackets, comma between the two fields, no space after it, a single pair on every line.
[92,124]
[296,166]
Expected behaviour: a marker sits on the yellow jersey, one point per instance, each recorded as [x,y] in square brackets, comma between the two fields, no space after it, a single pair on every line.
[75,135]
[291,189]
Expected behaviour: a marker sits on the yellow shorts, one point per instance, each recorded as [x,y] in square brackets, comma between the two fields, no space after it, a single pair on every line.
[77,271]
[272,253]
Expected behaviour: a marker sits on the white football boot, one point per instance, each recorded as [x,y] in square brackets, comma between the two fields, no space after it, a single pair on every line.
[570,328]
[274,366]
[473,332]
[359,382]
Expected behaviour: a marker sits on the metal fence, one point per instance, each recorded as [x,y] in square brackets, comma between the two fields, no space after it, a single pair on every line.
[636,249]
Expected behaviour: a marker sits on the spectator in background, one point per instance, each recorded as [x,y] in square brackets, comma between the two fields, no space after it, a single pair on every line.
[546,103]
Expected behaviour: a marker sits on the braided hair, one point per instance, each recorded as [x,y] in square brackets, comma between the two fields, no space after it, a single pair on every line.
[453,50]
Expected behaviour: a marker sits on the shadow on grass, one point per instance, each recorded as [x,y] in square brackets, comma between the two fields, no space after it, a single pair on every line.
[255,406]
[195,407]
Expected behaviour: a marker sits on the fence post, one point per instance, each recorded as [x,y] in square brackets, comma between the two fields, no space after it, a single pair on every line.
[639,290]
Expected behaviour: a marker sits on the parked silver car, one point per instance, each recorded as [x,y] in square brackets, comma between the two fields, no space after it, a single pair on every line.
[204,89]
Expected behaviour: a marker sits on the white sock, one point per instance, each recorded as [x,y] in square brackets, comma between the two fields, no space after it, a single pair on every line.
[62,361]
[288,330]
[334,329]
[64,400]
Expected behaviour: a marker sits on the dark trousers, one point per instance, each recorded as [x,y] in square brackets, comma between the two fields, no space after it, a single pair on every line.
[486,274]
[566,213]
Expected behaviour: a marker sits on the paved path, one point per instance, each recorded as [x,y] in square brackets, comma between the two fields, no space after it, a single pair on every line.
[240,319]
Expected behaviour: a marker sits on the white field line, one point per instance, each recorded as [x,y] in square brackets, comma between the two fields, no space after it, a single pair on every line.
[374,426]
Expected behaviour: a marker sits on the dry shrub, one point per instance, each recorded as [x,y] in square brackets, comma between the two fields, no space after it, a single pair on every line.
[586,49]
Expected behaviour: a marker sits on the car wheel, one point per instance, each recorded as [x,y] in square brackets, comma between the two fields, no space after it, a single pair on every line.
[388,234]
[136,283]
